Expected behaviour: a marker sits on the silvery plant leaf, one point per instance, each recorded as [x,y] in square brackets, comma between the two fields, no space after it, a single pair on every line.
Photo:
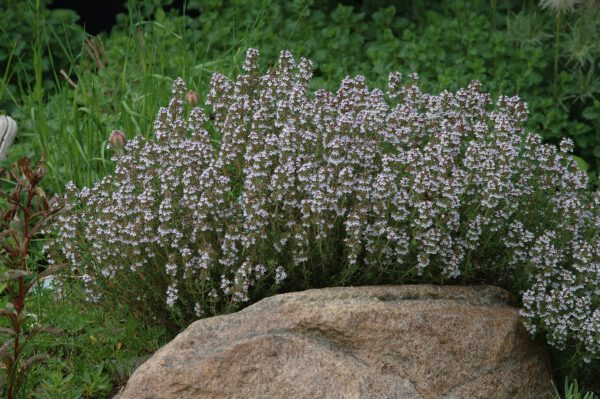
[8,131]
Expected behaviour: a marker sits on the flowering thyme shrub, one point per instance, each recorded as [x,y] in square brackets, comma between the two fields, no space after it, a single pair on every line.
[279,189]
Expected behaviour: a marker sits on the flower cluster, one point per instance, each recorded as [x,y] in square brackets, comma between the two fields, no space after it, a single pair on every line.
[270,184]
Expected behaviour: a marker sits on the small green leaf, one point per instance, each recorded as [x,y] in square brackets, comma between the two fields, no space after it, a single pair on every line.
[160,15]
[583,165]
[591,113]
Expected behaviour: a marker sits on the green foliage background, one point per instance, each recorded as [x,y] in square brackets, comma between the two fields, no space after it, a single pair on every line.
[22,45]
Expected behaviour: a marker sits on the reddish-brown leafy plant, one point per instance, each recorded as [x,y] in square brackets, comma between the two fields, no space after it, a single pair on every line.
[26,213]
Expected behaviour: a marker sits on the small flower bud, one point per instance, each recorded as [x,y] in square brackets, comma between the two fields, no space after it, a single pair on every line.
[117,139]
[192,98]
[8,131]
[40,171]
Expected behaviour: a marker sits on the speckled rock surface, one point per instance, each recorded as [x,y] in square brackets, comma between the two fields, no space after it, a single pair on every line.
[412,341]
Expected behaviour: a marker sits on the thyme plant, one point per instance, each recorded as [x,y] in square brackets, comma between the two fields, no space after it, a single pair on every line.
[269,187]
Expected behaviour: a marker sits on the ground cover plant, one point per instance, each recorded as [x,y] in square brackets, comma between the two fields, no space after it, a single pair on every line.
[69,99]
[272,188]
[95,352]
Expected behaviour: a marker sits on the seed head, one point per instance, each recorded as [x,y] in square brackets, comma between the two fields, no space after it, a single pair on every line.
[559,6]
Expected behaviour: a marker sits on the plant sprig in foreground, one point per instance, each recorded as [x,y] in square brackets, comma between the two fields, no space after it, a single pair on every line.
[27,212]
